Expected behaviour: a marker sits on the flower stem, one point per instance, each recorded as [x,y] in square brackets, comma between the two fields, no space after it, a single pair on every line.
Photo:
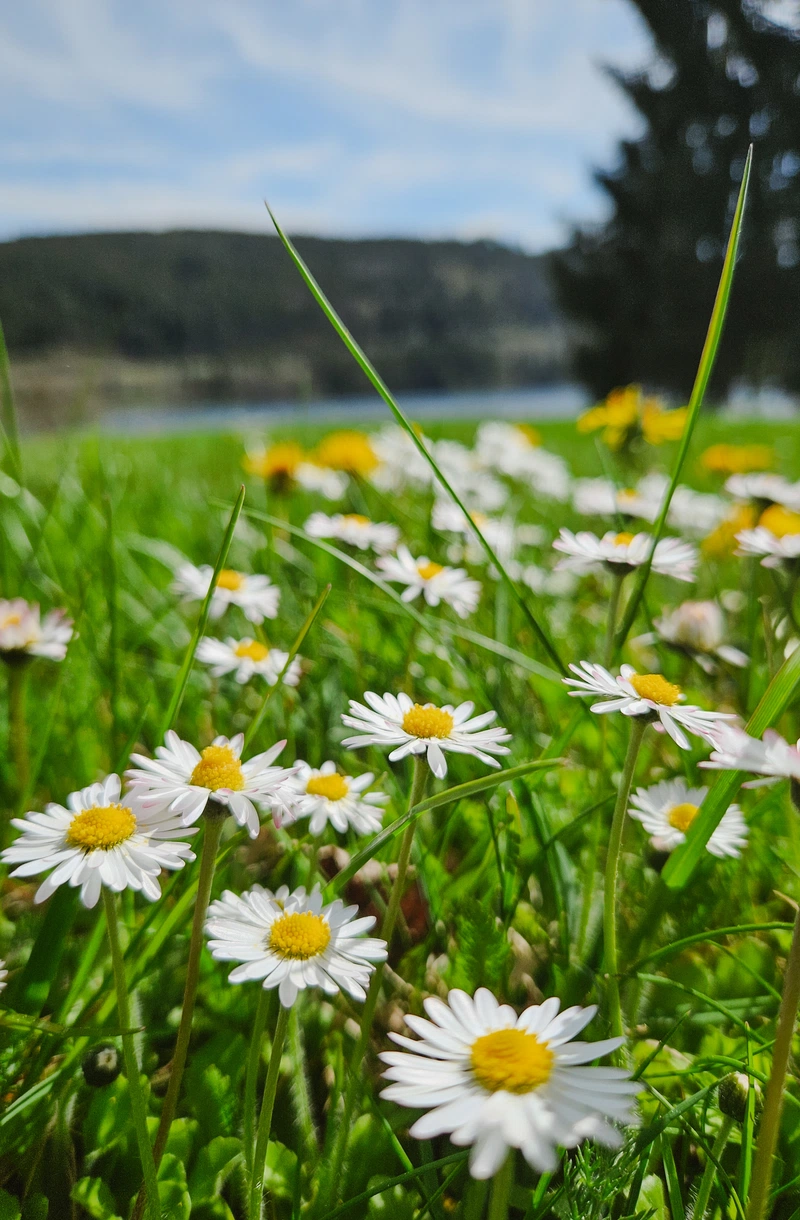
[138,1105]
[251,1078]
[638,726]
[212,820]
[773,1101]
[501,1190]
[707,1181]
[354,1076]
[265,1117]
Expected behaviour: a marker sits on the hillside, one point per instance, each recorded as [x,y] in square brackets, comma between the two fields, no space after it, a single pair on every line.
[113,317]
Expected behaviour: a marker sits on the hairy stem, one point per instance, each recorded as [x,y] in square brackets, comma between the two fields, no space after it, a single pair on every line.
[501,1190]
[251,1077]
[265,1117]
[709,1173]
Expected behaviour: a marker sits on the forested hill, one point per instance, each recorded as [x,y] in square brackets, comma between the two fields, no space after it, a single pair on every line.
[230,310]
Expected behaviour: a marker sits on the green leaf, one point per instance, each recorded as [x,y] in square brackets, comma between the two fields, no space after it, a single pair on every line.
[32,986]
[776,697]
[380,386]
[651,1198]
[35,1207]
[281,1170]
[707,359]
[94,1197]
[214,1164]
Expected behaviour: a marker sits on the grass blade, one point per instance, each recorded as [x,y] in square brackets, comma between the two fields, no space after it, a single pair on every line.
[705,368]
[382,389]
[8,411]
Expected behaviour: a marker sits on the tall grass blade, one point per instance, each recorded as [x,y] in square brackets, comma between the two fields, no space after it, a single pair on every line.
[705,368]
[684,859]
[8,411]
[383,390]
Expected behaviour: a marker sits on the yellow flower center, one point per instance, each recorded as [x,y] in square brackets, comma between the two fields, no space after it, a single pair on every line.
[332,787]
[102,826]
[428,570]
[427,722]
[252,649]
[11,620]
[623,539]
[531,435]
[780,521]
[299,936]
[653,686]
[218,768]
[356,519]
[228,579]
[682,816]
[512,1060]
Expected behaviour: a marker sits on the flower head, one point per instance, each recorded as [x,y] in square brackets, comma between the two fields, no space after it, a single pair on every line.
[624,552]
[698,628]
[514,450]
[721,542]
[100,839]
[736,750]
[183,780]
[23,632]
[649,695]
[737,459]
[667,810]
[256,596]
[247,658]
[350,452]
[776,537]
[3,975]
[285,465]
[395,720]
[436,582]
[291,941]
[493,1080]
[618,416]
[355,530]
[326,796]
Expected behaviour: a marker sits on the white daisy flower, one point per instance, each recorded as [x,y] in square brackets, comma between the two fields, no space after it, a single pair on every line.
[513,451]
[401,463]
[776,537]
[325,796]
[474,485]
[667,810]
[256,596]
[24,632]
[183,781]
[771,488]
[493,1080]
[247,658]
[395,720]
[594,497]
[500,532]
[436,582]
[3,975]
[99,839]
[696,512]
[355,530]
[698,628]
[292,941]
[649,695]
[624,552]
[331,483]
[736,750]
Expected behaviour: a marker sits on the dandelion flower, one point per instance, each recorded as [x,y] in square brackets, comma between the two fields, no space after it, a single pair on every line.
[355,530]
[737,459]
[291,941]
[247,658]
[326,796]
[492,1080]
[698,629]
[285,466]
[776,538]
[99,839]
[623,552]
[24,633]
[721,542]
[255,596]
[649,695]
[183,780]
[411,728]
[436,582]
[350,452]
[667,810]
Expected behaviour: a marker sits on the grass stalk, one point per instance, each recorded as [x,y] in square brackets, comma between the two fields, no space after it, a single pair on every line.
[709,1173]
[138,1104]
[251,1077]
[501,1190]
[256,1189]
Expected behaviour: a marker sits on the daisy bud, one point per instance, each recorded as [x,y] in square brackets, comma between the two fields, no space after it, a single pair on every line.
[734,1090]
[102,1065]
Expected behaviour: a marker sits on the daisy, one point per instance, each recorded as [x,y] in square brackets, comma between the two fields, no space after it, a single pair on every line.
[326,796]
[99,839]
[667,810]
[647,695]
[493,1080]
[291,941]
[514,450]
[500,532]
[736,750]
[355,530]
[246,658]
[3,975]
[465,474]
[401,463]
[256,596]
[623,552]
[23,632]
[183,781]
[769,488]
[395,720]
[436,582]
[776,537]
[698,629]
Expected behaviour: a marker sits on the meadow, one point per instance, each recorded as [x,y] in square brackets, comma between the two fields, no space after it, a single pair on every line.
[442,877]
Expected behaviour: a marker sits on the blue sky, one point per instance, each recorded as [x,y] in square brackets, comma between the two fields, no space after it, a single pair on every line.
[458,118]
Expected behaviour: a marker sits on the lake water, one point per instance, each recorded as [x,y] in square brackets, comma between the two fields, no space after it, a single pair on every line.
[541,402]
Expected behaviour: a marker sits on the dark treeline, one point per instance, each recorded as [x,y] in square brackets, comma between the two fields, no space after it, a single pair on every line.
[231,309]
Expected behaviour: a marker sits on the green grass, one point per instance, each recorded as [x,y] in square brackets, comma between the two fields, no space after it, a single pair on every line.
[507,883]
